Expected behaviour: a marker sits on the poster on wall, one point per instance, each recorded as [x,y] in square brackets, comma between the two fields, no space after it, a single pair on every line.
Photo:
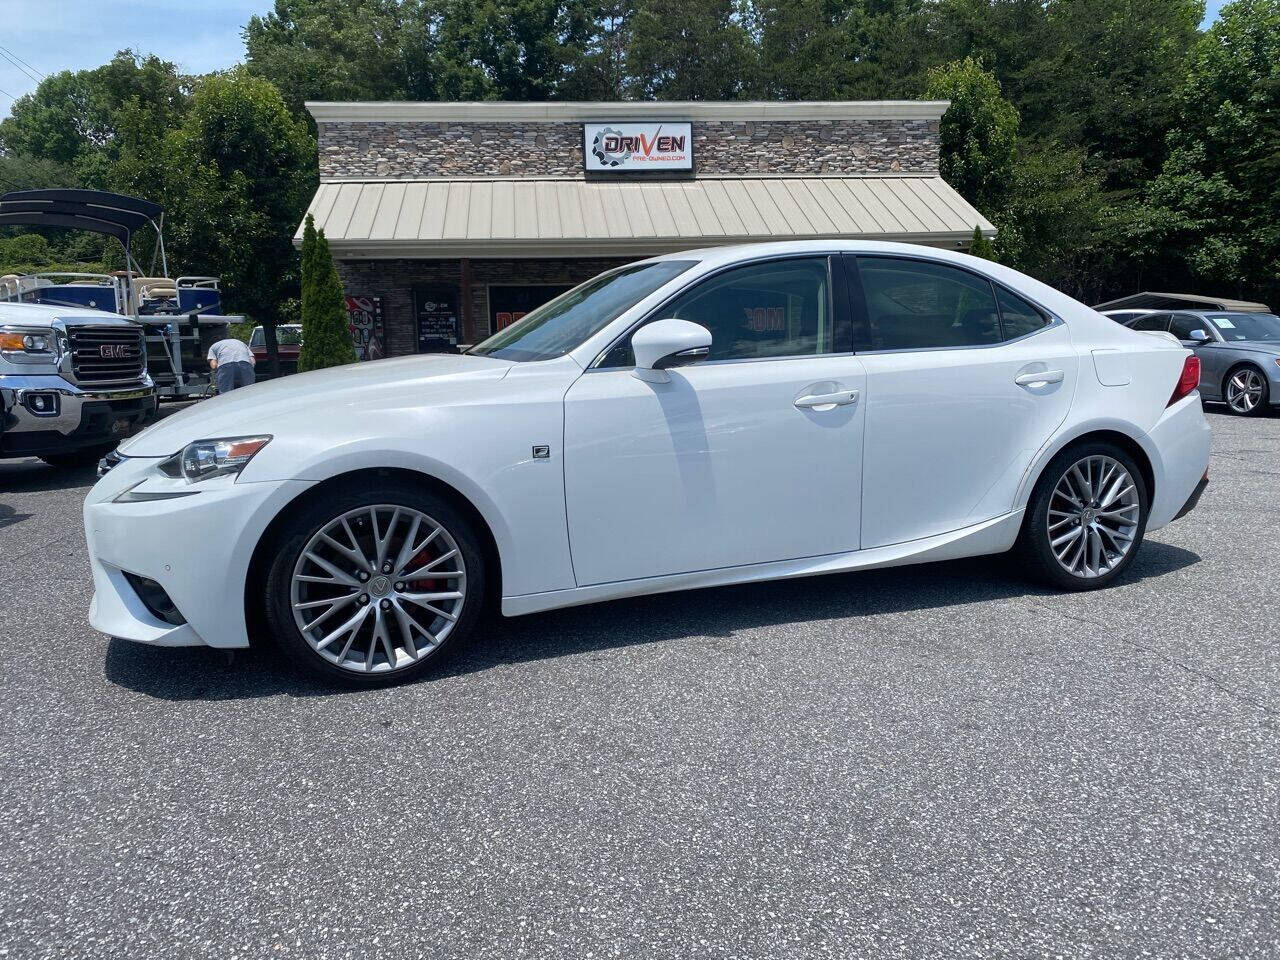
[364,320]
[436,317]
[637,147]
[509,302]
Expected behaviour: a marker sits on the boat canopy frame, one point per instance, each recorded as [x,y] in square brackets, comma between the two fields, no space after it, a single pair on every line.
[97,211]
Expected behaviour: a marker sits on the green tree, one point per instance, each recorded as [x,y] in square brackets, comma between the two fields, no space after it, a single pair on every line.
[596,69]
[980,245]
[836,49]
[236,176]
[689,50]
[979,132]
[510,49]
[352,50]
[1215,207]
[71,119]
[1009,37]
[1055,222]
[326,338]
[1114,69]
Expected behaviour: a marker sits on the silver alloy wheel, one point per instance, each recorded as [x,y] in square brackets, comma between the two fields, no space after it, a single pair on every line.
[1244,390]
[1093,516]
[377,588]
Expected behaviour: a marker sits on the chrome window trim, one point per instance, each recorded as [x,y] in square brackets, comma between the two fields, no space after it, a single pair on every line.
[1054,319]
[724,268]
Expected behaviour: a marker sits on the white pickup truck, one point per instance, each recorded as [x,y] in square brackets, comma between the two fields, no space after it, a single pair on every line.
[73,382]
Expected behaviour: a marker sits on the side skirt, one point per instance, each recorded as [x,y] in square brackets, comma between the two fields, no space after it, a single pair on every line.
[990,536]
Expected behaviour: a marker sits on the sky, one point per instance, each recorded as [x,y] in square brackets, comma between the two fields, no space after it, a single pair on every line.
[44,36]
[52,35]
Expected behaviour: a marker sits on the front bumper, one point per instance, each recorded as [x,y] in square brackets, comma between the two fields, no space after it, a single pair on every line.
[79,417]
[197,548]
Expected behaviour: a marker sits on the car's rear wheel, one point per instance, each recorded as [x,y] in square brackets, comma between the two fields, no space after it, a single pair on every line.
[373,585]
[1086,517]
[1246,391]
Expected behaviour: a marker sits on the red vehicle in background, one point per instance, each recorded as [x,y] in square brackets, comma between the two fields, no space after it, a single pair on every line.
[289,339]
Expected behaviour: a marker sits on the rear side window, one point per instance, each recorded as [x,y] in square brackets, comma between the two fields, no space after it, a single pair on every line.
[916,305]
[1017,317]
[1152,321]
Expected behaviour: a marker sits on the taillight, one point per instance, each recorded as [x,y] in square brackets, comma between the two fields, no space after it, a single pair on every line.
[1189,380]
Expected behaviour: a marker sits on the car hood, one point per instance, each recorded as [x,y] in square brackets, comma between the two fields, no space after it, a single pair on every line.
[258,409]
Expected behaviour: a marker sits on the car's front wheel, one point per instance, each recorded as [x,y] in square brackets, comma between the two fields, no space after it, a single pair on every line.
[1246,391]
[373,584]
[1086,517]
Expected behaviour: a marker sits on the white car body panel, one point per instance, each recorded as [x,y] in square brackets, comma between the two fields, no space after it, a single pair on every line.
[713,477]
[961,408]
[716,468]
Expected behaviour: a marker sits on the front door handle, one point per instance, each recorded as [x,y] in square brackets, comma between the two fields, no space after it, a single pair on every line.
[826,401]
[1039,378]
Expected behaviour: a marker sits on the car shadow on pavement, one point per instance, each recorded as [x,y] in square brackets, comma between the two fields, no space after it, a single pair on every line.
[35,476]
[263,671]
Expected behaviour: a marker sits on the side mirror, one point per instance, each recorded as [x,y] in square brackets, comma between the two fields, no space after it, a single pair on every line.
[664,344]
[1201,336]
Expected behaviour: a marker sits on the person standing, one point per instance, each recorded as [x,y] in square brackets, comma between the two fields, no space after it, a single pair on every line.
[232,362]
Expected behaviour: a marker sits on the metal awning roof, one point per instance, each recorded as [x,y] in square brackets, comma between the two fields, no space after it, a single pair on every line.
[1152,300]
[575,217]
[113,214]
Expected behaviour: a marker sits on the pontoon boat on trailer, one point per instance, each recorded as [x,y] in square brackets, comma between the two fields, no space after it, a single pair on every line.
[181,316]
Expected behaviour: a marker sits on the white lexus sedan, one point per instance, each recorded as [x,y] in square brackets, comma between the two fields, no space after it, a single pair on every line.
[719,416]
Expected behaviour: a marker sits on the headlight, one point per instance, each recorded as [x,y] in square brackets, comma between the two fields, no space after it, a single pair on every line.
[213,458]
[36,344]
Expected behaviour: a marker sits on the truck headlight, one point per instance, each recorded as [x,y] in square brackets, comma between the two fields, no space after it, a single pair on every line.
[213,458]
[15,341]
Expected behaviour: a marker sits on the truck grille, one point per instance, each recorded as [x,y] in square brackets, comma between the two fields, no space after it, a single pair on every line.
[106,356]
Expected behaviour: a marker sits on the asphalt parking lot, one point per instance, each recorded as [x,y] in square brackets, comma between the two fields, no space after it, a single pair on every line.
[932,761]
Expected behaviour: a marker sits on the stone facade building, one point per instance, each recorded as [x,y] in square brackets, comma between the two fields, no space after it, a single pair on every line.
[450,220]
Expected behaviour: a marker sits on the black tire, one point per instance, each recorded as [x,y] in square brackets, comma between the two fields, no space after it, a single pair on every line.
[1264,401]
[78,459]
[316,513]
[1033,550]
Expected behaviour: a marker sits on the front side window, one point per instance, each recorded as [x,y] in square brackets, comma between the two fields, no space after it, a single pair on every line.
[1184,324]
[778,308]
[557,327]
[917,305]
[775,309]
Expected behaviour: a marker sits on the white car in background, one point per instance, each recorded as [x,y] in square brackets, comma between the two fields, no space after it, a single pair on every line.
[719,416]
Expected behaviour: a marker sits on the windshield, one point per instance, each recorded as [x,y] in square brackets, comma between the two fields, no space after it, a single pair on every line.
[286,336]
[1247,326]
[556,327]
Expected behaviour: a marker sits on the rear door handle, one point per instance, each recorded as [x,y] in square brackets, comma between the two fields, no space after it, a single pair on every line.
[1039,378]
[813,401]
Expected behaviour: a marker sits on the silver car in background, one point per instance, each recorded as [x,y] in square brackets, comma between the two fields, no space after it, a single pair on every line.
[1239,354]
